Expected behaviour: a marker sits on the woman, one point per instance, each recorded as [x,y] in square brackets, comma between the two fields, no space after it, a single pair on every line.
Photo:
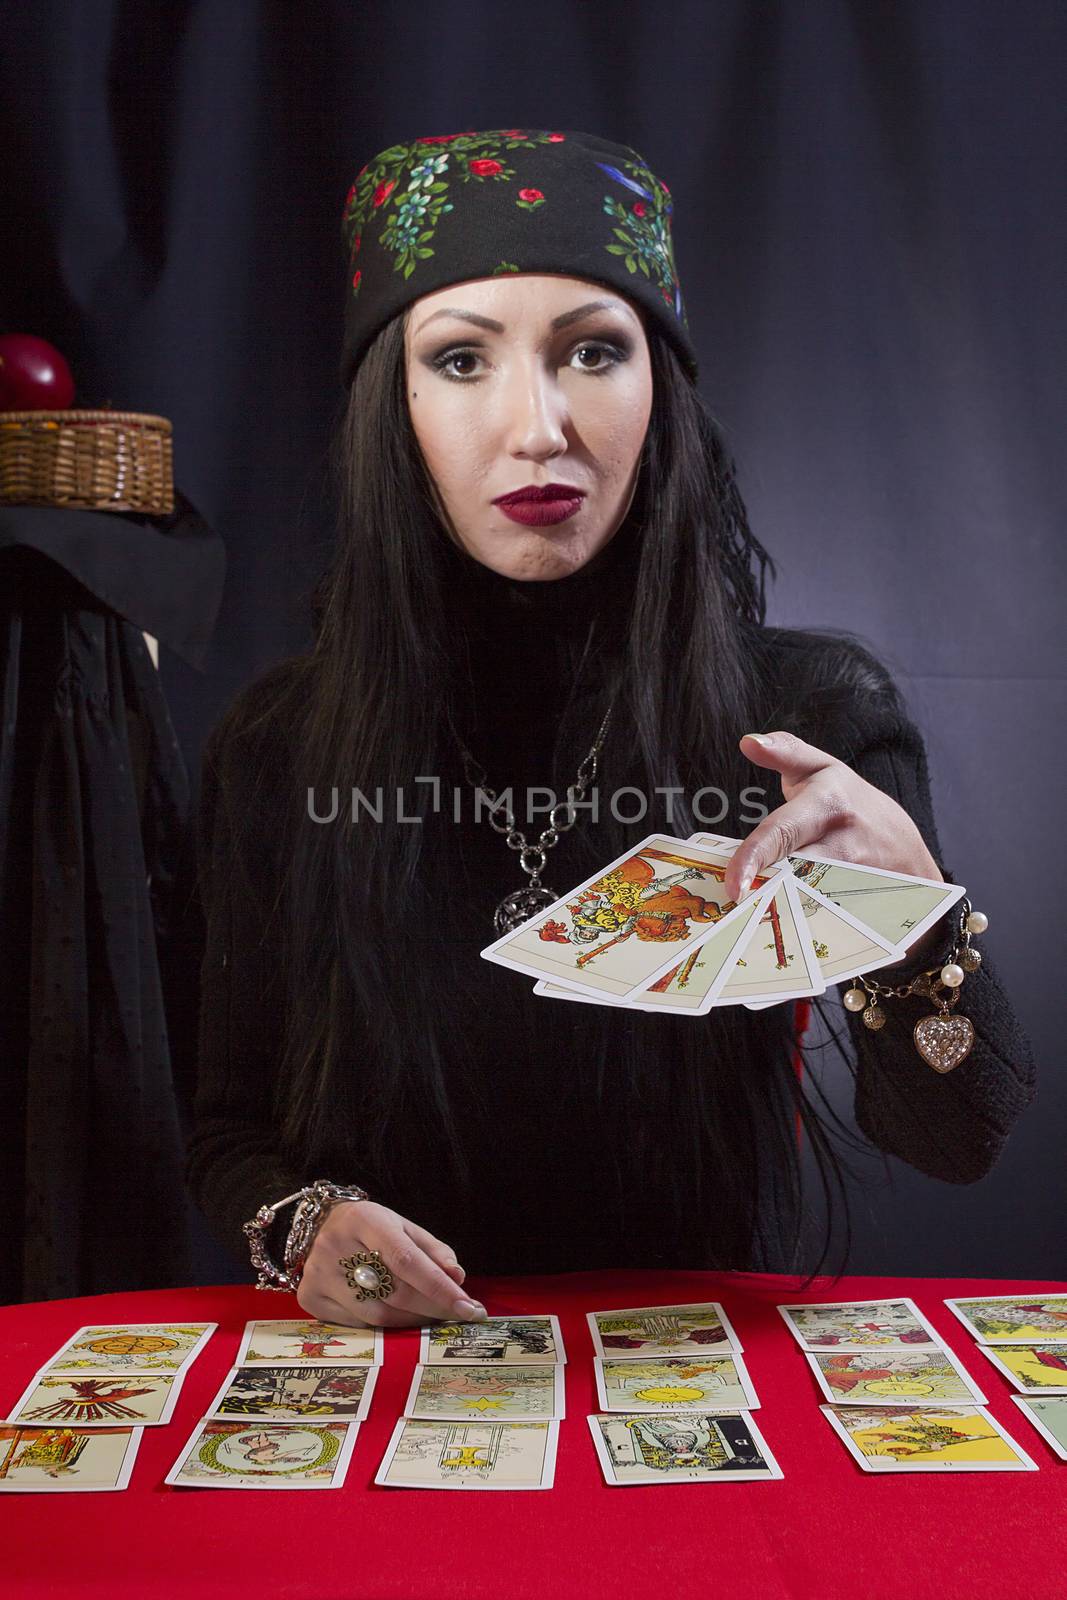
[515,323]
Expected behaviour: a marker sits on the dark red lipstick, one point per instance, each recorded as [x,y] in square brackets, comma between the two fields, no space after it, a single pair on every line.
[538,505]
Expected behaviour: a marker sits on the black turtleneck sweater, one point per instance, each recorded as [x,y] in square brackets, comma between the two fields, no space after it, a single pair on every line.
[551,1146]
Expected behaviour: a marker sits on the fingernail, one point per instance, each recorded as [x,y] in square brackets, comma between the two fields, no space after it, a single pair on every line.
[472,1311]
[760,738]
[744,886]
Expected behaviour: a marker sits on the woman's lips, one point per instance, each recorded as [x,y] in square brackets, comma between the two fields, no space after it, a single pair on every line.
[540,513]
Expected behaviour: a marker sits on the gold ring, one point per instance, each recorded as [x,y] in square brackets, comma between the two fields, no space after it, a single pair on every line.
[367,1274]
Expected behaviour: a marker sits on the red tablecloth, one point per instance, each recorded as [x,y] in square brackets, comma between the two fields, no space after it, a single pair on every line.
[826,1530]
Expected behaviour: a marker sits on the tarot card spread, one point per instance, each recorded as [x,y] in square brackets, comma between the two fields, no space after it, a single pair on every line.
[807,921]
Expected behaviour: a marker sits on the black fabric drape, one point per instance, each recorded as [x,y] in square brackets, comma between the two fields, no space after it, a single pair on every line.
[94,800]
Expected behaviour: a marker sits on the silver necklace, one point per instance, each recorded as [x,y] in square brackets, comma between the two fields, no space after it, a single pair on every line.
[523,903]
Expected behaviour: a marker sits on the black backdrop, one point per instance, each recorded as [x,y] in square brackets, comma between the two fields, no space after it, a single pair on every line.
[869,229]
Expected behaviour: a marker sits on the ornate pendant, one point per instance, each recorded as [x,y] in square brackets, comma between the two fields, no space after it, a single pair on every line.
[520,906]
[943,1041]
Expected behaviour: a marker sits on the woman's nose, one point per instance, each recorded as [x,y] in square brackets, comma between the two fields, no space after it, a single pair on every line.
[534,412]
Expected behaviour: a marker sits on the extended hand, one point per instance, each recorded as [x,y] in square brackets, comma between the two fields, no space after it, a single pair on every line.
[827,807]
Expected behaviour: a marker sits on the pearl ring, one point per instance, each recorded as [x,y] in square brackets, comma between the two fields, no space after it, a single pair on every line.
[367,1274]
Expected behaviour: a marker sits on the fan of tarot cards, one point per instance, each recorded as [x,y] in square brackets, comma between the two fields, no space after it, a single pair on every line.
[655,931]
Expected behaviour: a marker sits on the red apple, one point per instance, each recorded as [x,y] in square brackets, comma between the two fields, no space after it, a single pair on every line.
[33,375]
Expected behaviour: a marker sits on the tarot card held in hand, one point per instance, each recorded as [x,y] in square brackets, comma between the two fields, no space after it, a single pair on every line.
[642,1331]
[860,1325]
[518,1340]
[893,1377]
[675,1383]
[1032,1368]
[1049,1417]
[132,1347]
[687,1447]
[265,1455]
[927,1439]
[308,1341]
[470,1455]
[133,1399]
[627,924]
[1013,1319]
[287,1394]
[466,1394]
[65,1460]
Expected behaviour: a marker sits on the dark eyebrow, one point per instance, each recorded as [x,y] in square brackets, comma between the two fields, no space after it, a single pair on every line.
[562,321]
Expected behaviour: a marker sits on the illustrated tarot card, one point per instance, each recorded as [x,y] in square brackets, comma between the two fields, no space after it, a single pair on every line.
[265,1455]
[686,1447]
[1049,1417]
[469,1455]
[927,1439]
[776,961]
[1013,1318]
[675,1383]
[897,907]
[132,1347]
[466,1394]
[627,924]
[893,1377]
[843,947]
[66,1460]
[292,1342]
[519,1340]
[638,1332]
[99,1401]
[289,1394]
[860,1325]
[1030,1368]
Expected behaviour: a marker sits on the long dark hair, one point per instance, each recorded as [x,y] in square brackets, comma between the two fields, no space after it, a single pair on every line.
[700,667]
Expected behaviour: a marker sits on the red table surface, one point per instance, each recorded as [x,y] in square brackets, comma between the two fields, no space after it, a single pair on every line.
[826,1529]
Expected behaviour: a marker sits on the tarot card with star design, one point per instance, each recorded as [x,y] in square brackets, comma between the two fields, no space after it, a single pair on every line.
[473,1393]
[685,1447]
[99,1399]
[620,929]
[469,1455]
[520,1341]
[298,1342]
[289,1394]
[638,1332]
[927,1439]
[675,1383]
[62,1460]
[132,1347]
[265,1455]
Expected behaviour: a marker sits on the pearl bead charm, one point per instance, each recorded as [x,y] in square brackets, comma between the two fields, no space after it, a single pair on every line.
[366,1277]
[977,922]
[952,975]
[854,999]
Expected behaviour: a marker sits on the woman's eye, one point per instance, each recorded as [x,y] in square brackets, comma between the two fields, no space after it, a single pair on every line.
[592,357]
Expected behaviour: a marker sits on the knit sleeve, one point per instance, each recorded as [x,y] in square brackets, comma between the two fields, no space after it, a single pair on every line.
[950,1125]
[234,1162]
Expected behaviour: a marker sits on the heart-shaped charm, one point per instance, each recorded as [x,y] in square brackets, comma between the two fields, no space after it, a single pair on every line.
[943,1042]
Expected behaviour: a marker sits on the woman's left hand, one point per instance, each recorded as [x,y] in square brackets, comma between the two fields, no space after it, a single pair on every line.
[827,807]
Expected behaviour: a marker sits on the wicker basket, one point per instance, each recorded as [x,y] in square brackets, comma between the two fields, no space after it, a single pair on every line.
[91,460]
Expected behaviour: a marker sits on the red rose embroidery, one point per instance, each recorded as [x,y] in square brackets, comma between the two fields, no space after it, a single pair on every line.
[438,138]
[485,169]
[530,194]
[356,244]
[383,191]
[348,196]
[514,133]
[663,186]
[355,280]
[639,208]
[556,138]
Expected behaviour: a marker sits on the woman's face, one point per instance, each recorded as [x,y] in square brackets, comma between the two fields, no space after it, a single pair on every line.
[529,380]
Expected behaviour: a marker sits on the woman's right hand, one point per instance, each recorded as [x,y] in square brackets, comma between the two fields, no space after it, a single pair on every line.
[425,1271]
